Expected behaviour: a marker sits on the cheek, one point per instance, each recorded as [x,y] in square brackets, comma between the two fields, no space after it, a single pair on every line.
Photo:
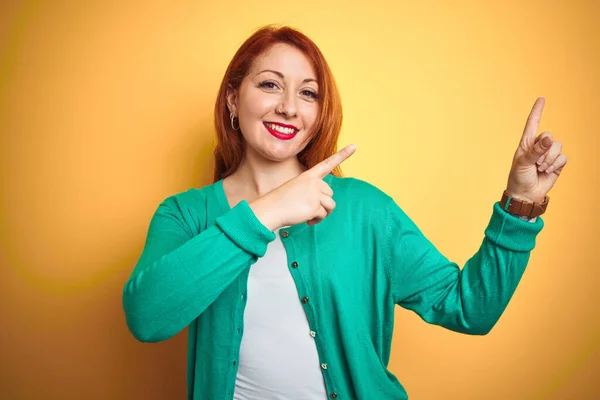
[310,113]
[258,104]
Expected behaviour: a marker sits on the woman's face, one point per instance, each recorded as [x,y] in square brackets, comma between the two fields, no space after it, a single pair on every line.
[277,103]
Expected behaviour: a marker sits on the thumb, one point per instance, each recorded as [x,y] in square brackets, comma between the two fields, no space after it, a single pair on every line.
[539,149]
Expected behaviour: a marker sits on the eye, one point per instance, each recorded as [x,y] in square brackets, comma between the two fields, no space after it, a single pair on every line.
[268,85]
[310,93]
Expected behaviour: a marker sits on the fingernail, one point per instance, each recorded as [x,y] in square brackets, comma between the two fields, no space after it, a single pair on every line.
[546,142]
[550,169]
[539,162]
[543,166]
[352,147]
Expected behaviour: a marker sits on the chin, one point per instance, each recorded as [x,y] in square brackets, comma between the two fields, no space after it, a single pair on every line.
[278,156]
[278,153]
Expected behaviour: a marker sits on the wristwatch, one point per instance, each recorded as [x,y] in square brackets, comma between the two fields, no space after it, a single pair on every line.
[522,207]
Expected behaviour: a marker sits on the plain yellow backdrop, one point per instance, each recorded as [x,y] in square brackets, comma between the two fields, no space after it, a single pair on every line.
[106,109]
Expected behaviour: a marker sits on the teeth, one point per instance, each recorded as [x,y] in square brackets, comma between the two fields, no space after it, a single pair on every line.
[281,129]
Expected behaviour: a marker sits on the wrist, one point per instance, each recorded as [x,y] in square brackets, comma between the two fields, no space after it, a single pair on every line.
[265,213]
[520,197]
[524,218]
[523,207]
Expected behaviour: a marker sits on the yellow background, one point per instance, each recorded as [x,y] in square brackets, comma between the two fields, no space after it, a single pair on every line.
[106,109]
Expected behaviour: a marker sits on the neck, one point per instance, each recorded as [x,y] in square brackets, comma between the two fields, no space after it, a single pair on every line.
[260,176]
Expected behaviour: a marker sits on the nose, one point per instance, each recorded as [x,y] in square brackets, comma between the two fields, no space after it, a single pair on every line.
[287,106]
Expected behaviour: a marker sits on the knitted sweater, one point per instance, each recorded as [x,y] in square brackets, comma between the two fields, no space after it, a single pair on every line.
[350,271]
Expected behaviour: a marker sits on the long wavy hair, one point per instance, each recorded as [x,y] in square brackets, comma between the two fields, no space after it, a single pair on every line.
[230,145]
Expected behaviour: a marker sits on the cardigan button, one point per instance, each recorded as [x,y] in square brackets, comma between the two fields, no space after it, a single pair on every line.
[324,366]
[285,234]
[294,264]
[305,299]
[334,395]
[313,333]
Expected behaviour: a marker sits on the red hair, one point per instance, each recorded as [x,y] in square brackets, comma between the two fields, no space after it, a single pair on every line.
[229,151]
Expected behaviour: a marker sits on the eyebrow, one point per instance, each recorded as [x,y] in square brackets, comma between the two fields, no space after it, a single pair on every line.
[282,76]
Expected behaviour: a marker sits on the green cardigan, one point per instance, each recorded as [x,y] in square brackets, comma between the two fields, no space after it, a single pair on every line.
[350,271]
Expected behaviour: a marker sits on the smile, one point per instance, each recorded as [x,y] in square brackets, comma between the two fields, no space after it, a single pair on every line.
[280,131]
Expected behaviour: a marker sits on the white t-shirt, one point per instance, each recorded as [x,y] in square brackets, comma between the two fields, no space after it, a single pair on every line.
[278,356]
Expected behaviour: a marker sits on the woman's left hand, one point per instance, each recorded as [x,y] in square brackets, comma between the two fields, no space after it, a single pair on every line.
[538,161]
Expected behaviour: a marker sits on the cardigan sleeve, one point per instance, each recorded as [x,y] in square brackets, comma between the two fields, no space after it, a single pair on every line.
[468,300]
[178,275]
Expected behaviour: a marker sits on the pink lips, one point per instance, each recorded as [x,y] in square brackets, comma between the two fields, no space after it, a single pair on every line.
[282,136]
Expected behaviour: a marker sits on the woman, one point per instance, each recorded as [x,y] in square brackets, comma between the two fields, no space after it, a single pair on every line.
[286,273]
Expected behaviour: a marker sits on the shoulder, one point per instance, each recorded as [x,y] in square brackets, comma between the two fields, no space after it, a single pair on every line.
[192,208]
[362,198]
[358,190]
[191,197]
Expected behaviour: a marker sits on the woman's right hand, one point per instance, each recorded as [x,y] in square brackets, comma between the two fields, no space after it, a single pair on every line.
[305,198]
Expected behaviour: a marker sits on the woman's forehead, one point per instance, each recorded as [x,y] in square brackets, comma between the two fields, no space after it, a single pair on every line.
[286,59]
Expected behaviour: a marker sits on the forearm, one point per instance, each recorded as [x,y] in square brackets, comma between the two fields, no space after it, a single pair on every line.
[489,278]
[470,300]
[168,290]
[484,288]
[166,294]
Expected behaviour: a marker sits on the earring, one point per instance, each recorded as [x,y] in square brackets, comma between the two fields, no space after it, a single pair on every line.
[232,117]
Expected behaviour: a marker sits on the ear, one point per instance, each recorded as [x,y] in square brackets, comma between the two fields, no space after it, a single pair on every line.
[232,100]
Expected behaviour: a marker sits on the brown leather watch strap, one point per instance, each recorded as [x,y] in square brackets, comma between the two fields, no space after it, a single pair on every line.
[523,207]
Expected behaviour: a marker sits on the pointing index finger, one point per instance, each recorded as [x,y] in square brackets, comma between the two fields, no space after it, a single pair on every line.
[326,166]
[533,122]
